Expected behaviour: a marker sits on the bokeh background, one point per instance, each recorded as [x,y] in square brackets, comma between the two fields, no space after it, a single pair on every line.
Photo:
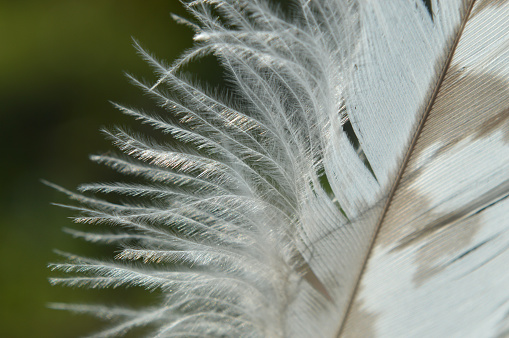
[61,61]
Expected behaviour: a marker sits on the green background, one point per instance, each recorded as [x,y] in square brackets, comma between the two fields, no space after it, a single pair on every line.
[61,61]
[60,64]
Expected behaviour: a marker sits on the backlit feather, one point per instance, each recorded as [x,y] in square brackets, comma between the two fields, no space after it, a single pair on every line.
[354,184]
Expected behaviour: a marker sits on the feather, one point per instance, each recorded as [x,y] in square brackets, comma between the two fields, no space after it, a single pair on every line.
[354,184]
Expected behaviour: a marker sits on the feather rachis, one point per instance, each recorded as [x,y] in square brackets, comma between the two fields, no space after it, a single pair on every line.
[299,185]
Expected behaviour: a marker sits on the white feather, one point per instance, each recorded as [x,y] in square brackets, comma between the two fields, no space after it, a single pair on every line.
[354,185]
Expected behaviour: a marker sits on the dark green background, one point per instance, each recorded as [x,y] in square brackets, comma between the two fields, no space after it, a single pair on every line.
[60,63]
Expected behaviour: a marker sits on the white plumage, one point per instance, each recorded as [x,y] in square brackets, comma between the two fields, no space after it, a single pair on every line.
[355,184]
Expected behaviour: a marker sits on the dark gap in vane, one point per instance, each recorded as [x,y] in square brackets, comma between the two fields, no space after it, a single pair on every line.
[429,7]
[324,183]
[312,279]
[350,133]
[352,137]
[368,165]
[307,274]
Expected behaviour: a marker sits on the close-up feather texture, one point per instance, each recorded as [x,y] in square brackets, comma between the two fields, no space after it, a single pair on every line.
[350,180]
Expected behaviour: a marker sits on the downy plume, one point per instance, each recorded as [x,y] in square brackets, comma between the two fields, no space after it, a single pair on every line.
[353,184]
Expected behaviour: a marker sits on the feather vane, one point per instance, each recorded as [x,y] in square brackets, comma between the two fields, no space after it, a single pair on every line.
[354,185]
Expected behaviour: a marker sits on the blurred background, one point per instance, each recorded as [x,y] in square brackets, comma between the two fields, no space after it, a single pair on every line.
[61,62]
